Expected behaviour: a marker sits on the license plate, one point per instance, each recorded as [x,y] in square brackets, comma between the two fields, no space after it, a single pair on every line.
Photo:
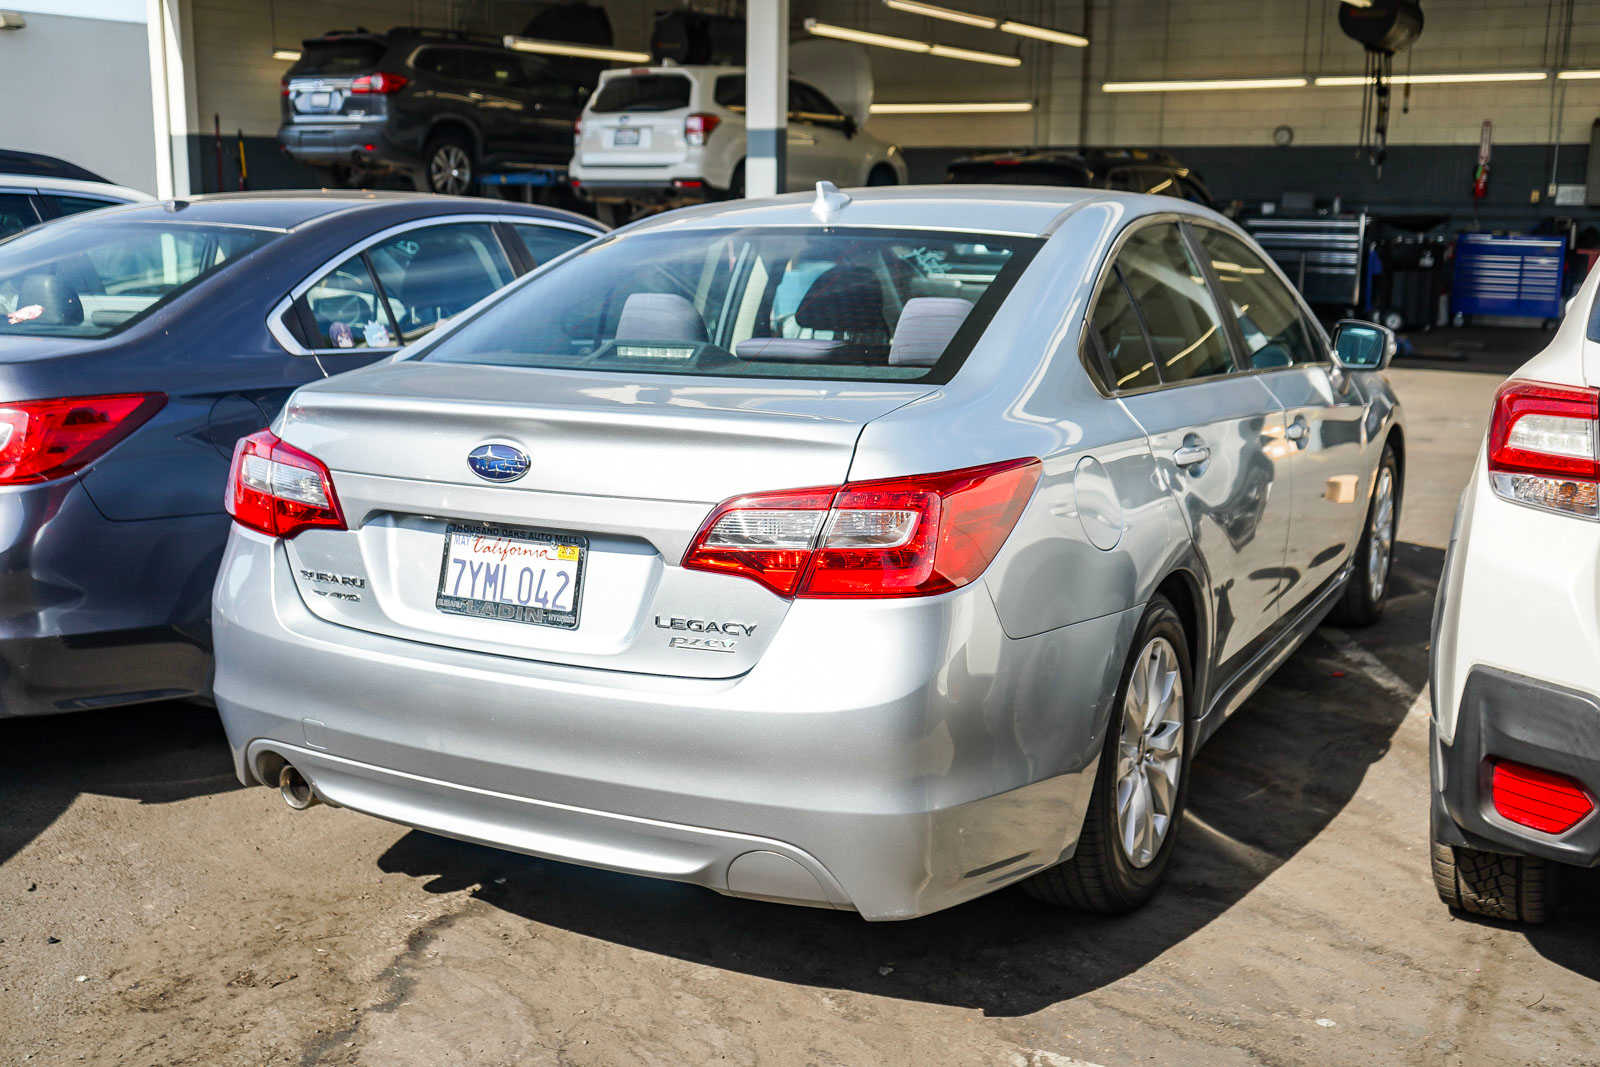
[625,139]
[504,572]
[321,100]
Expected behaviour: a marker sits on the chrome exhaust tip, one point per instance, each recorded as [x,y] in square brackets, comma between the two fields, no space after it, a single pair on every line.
[295,790]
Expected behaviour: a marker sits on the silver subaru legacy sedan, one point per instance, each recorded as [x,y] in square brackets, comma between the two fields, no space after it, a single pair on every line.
[866,550]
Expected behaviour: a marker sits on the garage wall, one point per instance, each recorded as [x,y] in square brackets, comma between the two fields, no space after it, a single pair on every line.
[1136,40]
[102,120]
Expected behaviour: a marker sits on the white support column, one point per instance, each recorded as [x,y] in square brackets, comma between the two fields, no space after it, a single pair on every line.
[169,97]
[766,96]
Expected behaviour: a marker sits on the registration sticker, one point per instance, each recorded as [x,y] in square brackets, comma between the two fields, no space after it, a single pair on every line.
[514,574]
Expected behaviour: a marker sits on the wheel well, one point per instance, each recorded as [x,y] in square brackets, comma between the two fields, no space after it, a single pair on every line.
[1183,591]
[454,126]
[1397,439]
[883,168]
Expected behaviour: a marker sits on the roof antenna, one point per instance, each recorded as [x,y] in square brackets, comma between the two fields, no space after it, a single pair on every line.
[830,201]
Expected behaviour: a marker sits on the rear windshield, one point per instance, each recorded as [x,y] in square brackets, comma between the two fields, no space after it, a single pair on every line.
[91,279]
[643,92]
[790,302]
[335,58]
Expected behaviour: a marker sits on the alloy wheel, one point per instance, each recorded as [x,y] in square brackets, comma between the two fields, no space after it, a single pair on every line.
[450,170]
[1150,752]
[1380,541]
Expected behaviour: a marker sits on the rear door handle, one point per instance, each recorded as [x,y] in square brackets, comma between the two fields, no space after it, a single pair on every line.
[1191,455]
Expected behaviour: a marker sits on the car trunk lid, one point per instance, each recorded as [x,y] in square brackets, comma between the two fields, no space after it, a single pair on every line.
[637,120]
[622,469]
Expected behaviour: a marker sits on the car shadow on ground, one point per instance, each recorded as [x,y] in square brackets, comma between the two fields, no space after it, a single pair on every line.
[153,753]
[1263,788]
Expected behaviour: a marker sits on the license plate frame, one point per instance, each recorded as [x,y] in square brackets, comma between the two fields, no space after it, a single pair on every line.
[627,137]
[529,614]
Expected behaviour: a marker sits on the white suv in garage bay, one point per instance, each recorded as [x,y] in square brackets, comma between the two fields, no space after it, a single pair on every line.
[668,135]
[1515,666]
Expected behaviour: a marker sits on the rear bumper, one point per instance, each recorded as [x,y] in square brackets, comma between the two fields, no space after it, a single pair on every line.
[643,191]
[95,613]
[905,778]
[1506,716]
[342,144]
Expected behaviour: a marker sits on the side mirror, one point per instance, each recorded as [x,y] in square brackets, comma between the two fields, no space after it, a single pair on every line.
[1359,345]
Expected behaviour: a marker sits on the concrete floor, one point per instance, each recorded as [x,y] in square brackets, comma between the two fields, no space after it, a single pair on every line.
[153,912]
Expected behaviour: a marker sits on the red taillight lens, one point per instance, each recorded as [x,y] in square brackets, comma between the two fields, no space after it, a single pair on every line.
[279,490]
[913,536]
[1548,802]
[379,83]
[1542,446]
[577,131]
[283,84]
[45,439]
[697,128]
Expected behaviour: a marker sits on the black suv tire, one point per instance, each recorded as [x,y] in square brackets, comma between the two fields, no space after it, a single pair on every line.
[1496,886]
[449,165]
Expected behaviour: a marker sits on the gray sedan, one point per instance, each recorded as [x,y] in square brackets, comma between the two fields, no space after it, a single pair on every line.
[869,550]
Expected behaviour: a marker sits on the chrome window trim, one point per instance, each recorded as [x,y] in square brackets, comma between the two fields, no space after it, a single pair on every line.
[280,332]
[1087,358]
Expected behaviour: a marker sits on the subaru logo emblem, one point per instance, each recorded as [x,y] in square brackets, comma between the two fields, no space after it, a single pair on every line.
[498,463]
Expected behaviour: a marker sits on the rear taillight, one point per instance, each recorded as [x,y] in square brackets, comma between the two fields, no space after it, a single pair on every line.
[697,128]
[1542,446]
[45,439]
[283,85]
[1542,800]
[379,83]
[577,131]
[279,490]
[913,536]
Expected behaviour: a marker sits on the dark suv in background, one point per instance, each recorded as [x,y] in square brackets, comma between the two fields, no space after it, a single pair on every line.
[1131,170]
[440,106]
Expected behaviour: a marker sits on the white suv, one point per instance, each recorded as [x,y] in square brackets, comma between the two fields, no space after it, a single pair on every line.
[668,135]
[1516,647]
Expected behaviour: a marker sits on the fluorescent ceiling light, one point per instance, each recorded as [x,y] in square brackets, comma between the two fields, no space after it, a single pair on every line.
[992,58]
[1202,86]
[290,55]
[933,11]
[882,40]
[1039,33]
[1437,79]
[1000,107]
[582,51]
[906,44]
[1578,75]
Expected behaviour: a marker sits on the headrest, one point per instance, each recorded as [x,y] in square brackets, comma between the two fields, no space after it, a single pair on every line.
[800,350]
[843,300]
[659,317]
[59,300]
[927,323]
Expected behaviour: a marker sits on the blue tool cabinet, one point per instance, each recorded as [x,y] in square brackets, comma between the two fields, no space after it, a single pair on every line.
[1498,275]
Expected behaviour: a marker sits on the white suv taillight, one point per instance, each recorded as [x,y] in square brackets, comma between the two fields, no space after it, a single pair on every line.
[279,490]
[913,536]
[1542,442]
[697,128]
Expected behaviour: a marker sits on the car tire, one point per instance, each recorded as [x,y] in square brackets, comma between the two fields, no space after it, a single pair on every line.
[1115,868]
[1368,586]
[882,174]
[1496,886]
[449,166]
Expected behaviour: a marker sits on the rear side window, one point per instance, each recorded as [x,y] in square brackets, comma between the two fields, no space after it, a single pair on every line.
[643,92]
[346,309]
[545,243]
[337,58]
[781,302]
[1122,340]
[1185,330]
[86,281]
[432,273]
[16,213]
[1275,335]
[729,92]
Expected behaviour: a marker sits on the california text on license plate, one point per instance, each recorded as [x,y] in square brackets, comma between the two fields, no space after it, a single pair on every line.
[505,572]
